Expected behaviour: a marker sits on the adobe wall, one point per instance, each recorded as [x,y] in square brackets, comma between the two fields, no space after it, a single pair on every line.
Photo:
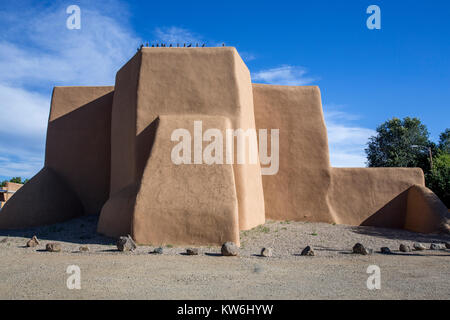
[188,203]
[372,196]
[178,81]
[45,199]
[75,177]
[299,190]
[78,142]
[108,148]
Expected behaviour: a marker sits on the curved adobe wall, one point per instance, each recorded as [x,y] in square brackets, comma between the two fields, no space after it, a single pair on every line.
[45,199]
[426,212]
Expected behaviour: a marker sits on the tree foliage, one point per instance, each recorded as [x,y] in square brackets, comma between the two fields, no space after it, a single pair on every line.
[399,143]
[438,179]
[444,141]
[405,143]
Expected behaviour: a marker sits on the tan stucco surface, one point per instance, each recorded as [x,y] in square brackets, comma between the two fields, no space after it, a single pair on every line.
[425,211]
[372,196]
[299,190]
[306,188]
[185,204]
[186,82]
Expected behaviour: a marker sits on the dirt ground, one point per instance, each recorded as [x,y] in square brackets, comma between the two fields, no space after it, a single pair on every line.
[334,273]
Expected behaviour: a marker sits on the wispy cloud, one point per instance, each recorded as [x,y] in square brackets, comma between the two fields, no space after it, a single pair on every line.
[346,140]
[284,75]
[36,56]
[176,35]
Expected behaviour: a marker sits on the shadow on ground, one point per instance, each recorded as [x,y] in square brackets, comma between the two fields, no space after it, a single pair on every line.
[81,230]
[399,234]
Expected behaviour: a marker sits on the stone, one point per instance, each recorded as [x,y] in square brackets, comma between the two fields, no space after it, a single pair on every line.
[308,251]
[266,252]
[419,247]
[437,246]
[33,242]
[158,250]
[404,248]
[447,245]
[385,250]
[192,251]
[230,249]
[84,249]
[4,240]
[53,247]
[126,244]
[360,249]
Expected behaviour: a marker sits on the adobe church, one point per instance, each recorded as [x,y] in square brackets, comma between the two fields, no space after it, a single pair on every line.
[108,152]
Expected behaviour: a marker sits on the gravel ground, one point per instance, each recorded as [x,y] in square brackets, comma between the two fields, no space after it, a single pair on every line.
[334,273]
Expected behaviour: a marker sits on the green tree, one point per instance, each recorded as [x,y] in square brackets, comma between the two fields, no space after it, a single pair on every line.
[444,141]
[16,180]
[438,179]
[405,143]
[400,143]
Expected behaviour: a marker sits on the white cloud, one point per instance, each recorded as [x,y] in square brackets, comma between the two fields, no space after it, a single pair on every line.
[283,75]
[346,140]
[174,35]
[23,111]
[38,53]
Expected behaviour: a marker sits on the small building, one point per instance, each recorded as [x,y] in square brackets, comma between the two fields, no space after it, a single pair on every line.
[8,191]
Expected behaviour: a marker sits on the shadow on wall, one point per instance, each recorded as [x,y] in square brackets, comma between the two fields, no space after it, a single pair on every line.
[78,149]
[116,215]
[391,215]
[76,173]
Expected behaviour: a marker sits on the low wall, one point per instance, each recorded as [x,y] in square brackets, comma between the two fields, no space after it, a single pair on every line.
[372,196]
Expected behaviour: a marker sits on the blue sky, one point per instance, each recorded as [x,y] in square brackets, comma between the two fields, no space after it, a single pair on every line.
[365,76]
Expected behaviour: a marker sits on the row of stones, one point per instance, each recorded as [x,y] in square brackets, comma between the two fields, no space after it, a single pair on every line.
[228,249]
[231,249]
[360,249]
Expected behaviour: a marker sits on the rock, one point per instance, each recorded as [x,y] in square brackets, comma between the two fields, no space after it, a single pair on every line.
[360,249]
[158,250]
[447,245]
[308,251]
[230,249]
[419,247]
[192,251]
[126,244]
[33,242]
[53,247]
[84,249]
[4,240]
[266,252]
[437,246]
[385,250]
[404,248]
